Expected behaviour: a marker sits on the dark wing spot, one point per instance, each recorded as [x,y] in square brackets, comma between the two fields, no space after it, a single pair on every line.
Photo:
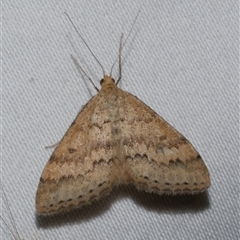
[163,137]
[72,150]
[100,184]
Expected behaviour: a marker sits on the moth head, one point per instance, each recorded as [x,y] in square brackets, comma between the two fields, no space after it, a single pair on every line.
[107,80]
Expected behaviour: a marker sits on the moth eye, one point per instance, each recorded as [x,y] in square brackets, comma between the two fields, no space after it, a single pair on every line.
[113,80]
[101,81]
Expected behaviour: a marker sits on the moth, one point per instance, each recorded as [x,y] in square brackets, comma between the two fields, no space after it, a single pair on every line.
[117,139]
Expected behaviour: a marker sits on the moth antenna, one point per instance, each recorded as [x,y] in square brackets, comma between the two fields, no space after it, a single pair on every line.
[118,57]
[12,219]
[86,44]
[120,60]
[76,62]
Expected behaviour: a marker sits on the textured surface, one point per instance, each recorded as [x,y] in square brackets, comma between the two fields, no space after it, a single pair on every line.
[182,60]
[118,139]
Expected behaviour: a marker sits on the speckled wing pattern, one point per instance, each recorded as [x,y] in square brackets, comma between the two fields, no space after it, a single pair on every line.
[158,158]
[117,139]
